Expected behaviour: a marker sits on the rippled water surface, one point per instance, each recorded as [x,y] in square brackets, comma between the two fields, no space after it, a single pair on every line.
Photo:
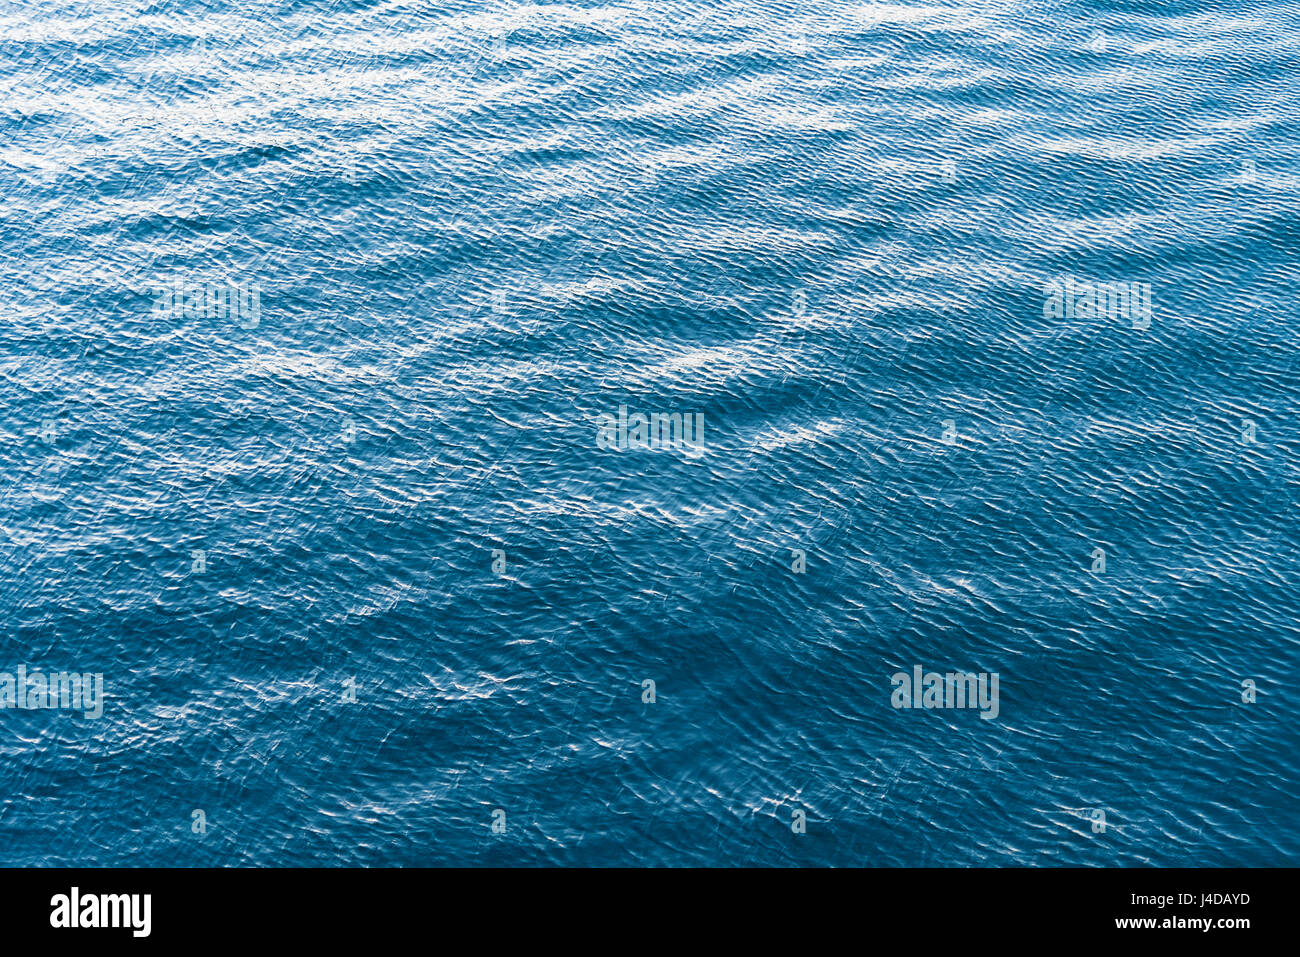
[466,231]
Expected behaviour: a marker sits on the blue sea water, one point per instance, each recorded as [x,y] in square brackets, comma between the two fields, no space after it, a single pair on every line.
[466,231]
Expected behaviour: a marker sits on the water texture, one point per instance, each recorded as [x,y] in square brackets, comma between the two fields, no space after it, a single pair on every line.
[453,236]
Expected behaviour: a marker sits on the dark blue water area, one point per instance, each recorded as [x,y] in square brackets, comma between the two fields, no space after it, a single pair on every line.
[313,312]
